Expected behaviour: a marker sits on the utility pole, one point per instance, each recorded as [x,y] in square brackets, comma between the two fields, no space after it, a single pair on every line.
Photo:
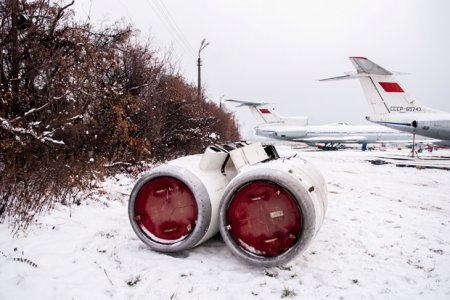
[220,102]
[199,64]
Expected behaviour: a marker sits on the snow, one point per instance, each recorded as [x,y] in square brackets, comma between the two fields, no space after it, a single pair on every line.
[5,124]
[386,235]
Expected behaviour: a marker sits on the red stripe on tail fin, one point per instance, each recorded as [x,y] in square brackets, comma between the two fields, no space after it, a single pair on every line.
[391,87]
[264,111]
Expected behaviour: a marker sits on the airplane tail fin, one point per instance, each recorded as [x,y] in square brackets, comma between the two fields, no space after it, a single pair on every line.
[381,89]
[262,111]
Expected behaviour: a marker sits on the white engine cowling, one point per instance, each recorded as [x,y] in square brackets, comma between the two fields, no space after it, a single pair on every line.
[175,206]
[267,209]
[172,209]
[270,212]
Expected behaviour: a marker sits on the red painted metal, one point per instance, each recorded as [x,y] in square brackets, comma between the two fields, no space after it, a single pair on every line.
[264,218]
[166,208]
[391,87]
[264,110]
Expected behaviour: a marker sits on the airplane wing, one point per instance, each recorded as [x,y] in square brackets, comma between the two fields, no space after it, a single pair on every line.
[247,103]
[265,113]
[340,77]
[364,68]
[332,139]
[403,141]
[364,65]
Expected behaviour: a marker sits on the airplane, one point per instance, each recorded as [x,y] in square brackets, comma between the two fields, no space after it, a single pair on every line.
[391,106]
[274,126]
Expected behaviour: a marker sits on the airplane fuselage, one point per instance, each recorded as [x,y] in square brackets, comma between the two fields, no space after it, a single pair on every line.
[342,133]
[435,125]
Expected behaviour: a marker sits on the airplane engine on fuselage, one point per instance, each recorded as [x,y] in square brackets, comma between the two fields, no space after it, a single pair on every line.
[439,129]
[290,134]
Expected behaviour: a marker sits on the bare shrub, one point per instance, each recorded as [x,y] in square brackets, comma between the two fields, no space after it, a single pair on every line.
[75,99]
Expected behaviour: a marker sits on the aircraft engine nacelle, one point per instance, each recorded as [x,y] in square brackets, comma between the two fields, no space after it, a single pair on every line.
[424,125]
[270,212]
[267,209]
[291,133]
[171,208]
[175,206]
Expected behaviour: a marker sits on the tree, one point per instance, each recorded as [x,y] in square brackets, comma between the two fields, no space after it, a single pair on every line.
[74,99]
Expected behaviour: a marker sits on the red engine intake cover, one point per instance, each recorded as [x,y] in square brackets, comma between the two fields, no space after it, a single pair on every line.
[264,218]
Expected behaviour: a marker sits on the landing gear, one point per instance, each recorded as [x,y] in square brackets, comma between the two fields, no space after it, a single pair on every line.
[413,152]
[331,146]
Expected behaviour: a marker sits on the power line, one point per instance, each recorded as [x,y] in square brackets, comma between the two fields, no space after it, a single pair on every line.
[176,27]
[165,17]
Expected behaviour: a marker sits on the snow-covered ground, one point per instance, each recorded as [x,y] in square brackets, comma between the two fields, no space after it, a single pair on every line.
[386,236]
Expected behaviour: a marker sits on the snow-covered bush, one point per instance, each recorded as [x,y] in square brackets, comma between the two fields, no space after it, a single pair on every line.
[76,102]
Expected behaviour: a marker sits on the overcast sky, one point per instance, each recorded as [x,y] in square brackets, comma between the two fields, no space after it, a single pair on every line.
[274,51]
